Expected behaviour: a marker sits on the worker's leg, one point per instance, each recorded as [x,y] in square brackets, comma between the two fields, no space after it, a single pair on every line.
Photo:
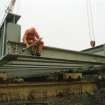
[37,48]
[40,46]
[33,51]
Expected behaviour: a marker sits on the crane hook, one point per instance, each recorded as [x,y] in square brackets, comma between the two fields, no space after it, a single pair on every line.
[92,43]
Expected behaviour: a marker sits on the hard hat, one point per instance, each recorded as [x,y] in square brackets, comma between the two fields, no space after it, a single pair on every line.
[31,30]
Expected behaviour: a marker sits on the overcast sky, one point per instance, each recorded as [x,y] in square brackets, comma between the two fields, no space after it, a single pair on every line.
[63,23]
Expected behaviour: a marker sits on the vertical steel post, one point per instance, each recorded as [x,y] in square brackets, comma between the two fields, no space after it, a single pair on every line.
[3,39]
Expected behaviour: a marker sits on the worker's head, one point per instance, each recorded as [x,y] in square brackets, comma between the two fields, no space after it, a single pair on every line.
[31,31]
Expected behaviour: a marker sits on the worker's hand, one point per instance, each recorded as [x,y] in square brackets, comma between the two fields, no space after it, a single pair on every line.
[39,38]
[27,45]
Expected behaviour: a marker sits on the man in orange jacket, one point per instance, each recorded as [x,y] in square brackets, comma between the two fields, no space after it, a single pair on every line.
[32,40]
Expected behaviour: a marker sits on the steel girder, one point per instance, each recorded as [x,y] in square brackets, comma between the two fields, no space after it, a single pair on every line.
[52,60]
[56,53]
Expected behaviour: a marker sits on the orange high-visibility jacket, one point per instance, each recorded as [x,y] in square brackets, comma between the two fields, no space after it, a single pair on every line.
[30,36]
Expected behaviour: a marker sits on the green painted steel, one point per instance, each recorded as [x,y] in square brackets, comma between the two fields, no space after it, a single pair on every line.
[25,65]
[56,53]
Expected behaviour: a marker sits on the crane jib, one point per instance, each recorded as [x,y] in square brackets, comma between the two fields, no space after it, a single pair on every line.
[7,11]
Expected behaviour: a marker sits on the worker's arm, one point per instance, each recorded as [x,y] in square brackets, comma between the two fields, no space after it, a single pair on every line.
[25,39]
[36,34]
[34,43]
